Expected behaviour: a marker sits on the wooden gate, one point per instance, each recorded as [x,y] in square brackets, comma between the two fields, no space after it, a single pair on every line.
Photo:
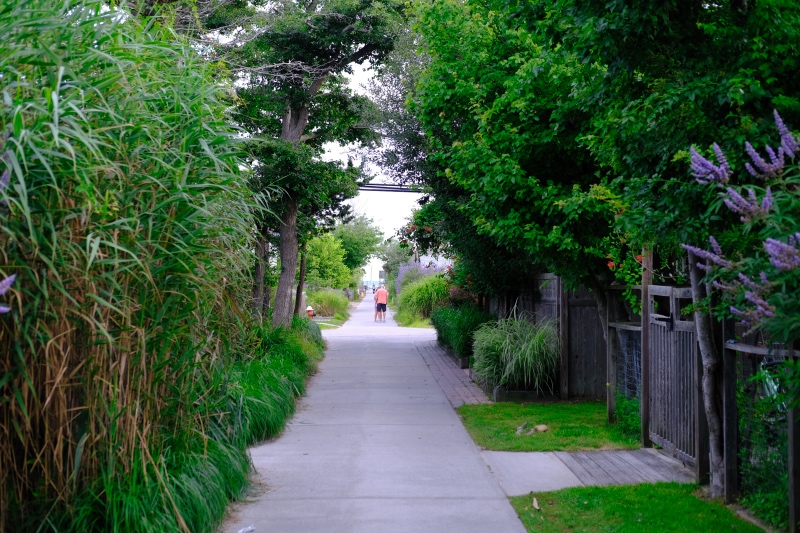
[676,416]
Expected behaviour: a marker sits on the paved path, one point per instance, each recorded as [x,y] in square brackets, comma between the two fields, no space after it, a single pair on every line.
[374,447]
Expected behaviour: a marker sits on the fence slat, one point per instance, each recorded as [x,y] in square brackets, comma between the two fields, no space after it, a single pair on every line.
[672,413]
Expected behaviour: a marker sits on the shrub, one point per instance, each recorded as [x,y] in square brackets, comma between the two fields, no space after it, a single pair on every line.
[455,326]
[265,385]
[517,352]
[422,296]
[412,272]
[763,452]
[628,415]
[329,303]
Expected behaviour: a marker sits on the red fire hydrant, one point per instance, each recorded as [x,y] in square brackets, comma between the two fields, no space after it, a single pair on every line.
[310,312]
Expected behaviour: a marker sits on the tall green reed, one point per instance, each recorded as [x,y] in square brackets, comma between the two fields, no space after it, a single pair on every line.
[518,351]
[127,226]
[420,297]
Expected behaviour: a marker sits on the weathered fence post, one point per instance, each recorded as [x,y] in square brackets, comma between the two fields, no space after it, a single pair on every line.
[702,465]
[611,357]
[730,415]
[647,280]
[563,328]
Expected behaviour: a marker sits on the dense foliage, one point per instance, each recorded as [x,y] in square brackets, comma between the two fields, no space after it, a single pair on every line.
[132,379]
[329,303]
[325,265]
[455,326]
[360,240]
[561,131]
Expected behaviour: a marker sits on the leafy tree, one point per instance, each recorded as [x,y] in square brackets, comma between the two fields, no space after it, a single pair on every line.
[496,105]
[678,73]
[325,263]
[320,189]
[393,254]
[579,117]
[360,240]
[292,56]
[482,266]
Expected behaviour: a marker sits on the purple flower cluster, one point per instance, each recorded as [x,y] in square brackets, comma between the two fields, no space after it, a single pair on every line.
[4,286]
[706,172]
[749,208]
[788,141]
[762,168]
[415,270]
[6,283]
[715,257]
[784,255]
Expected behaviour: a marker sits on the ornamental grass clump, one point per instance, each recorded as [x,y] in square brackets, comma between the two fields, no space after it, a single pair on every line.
[422,296]
[517,352]
[329,303]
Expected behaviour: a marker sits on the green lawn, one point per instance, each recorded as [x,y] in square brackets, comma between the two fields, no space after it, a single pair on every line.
[644,508]
[571,427]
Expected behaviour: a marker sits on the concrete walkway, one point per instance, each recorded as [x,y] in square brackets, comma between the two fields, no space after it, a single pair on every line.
[374,447]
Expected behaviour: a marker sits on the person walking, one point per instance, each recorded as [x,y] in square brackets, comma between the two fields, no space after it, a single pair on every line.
[381,299]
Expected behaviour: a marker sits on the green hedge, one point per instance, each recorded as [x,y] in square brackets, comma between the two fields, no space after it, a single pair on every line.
[455,326]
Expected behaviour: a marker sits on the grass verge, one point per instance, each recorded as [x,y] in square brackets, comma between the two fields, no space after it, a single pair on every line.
[635,508]
[571,427]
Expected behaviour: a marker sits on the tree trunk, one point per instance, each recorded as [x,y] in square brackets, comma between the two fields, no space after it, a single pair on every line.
[301,282]
[282,312]
[260,269]
[292,128]
[267,288]
[711,389]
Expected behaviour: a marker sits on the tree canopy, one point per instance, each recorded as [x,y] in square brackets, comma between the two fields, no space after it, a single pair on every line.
[360,240]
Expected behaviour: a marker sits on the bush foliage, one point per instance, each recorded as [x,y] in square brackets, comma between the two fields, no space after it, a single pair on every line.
[456,325]
[628,415]
[329,303]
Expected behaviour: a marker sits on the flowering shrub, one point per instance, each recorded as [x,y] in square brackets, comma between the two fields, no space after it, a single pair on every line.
[761,286]
[413,271]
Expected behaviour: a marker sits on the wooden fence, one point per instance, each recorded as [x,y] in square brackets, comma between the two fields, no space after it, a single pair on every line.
[673,414]
[582,371]
[676,416]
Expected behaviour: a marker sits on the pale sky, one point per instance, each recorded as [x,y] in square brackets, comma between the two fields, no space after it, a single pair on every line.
[388,210]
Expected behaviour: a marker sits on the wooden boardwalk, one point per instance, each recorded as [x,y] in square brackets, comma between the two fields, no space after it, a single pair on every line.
[606,467]
[624,467]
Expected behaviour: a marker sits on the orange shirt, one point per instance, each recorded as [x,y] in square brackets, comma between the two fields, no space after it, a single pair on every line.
[382,296]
